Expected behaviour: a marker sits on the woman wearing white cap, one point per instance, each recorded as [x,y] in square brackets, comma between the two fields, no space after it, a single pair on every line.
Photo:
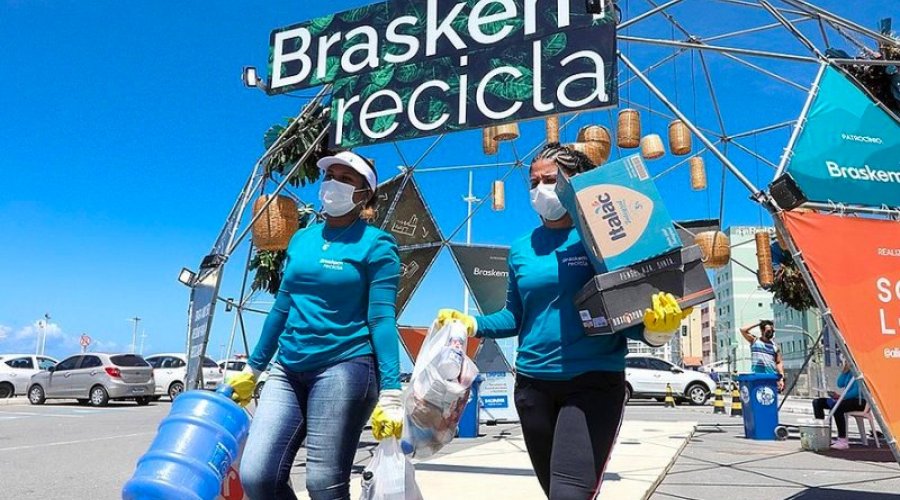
[334,328]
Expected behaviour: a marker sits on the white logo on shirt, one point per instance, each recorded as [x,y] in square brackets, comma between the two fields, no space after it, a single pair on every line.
[333,265]
[577,261]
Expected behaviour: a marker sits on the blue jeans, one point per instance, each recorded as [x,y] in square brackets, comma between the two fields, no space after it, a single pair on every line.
[328,408]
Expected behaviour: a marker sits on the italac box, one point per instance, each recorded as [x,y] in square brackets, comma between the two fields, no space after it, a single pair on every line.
[616,300]
[619,214]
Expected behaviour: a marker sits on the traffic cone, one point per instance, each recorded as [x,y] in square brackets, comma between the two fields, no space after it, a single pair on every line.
[736,408]
[670,399]
[719,403]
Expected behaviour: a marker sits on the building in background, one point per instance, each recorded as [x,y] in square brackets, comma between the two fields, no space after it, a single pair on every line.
[708,332]
[690,340]
[739,299]
[663,352]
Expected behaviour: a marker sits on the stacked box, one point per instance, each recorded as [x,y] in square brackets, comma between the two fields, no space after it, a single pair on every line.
[618,213]
[614,301]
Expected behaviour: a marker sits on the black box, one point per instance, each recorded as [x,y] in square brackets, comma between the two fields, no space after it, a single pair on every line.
[786,192]
[613,301]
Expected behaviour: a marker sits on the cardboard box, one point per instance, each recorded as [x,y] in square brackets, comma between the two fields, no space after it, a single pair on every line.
[613,301]
[618,213]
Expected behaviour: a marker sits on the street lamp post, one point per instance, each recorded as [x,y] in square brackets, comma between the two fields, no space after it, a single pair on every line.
[135,320]
[470,200]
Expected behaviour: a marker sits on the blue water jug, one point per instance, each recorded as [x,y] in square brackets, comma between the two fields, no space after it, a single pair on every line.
[194,447]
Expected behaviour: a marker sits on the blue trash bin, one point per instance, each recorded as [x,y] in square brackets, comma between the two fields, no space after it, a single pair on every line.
[759,398]
[471,417]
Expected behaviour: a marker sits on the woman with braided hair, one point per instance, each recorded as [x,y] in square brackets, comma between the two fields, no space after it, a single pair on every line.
[570,388]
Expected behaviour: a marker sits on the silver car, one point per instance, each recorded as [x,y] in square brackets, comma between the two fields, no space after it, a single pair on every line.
[96,379]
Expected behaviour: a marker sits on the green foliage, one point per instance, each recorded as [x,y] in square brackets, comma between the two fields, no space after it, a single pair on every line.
[300,139]
[789,287]
[883,82]
[269,267]
[554,45]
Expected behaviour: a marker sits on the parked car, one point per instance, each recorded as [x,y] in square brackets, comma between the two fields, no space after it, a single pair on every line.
[16,371]
[646,376]
[94,378]
[261,381]
[232,366]
[170,372]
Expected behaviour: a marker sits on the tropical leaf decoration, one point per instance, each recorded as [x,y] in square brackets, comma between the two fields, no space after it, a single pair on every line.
[554,45]
[883,82]
[292,148]
[789,287]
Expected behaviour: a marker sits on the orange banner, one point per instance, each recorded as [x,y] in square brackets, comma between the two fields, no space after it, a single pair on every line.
[855,263]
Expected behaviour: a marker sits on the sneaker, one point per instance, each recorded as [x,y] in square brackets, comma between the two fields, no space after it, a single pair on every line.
[840,444]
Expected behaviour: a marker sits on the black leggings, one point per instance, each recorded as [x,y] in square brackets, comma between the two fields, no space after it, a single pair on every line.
[570,428]
[854,404]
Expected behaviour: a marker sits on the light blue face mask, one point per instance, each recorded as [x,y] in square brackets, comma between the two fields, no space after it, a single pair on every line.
[337,197]
[546,203]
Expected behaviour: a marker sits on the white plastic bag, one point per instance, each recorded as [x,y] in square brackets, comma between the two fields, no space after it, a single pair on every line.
[438,390]
[390,475]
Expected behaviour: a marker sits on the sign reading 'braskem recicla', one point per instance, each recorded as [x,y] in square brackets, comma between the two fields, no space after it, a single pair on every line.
[849,150]
[410,68]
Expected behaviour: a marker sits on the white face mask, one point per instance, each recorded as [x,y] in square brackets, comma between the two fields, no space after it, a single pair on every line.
[546,203]
[337,198]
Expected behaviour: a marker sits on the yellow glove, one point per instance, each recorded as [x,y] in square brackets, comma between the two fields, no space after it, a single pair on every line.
[243,384]
[387,419]
[445,315]
[661,322]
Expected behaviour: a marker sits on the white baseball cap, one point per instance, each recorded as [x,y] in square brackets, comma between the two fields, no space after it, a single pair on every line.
[354,161]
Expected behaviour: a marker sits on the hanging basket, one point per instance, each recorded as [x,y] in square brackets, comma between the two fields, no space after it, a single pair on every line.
[498,196]
[765,273]
[598,135]
[592,150]
[715,248]
[488,143]
[273,231]
[552,129]
[652,147]
[679,138]
[508,132]
[698,174]
[628,131]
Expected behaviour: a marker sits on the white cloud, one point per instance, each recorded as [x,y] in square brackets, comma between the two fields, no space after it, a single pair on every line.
[4,332]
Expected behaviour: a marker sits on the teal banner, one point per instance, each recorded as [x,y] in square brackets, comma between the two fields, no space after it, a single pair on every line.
[849,150]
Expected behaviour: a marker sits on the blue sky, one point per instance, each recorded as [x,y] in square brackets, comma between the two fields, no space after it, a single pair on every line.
[126,135]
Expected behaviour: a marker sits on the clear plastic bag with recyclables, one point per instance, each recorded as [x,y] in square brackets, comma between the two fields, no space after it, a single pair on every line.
[390,475]
[438,390]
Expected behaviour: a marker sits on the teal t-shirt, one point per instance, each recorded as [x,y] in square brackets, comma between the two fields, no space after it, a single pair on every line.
[336,302]
[546,269]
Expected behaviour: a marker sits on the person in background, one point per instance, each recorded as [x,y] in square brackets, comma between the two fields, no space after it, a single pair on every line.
[765,357]
[570,388]
[853,401]
[334,328]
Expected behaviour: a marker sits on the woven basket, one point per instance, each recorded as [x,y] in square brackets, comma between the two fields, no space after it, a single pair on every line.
[766,273]
[488,143]
[715,248]
[593,150]
[679,138]
[273,231]
[698,173]
[498,196]
[552,129]
[508,132]
[652,147]
[628,132]
[597,134]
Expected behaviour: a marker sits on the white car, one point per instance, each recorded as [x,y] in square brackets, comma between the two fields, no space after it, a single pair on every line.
[170,372]
[16,371]
[646,376]
[232,366]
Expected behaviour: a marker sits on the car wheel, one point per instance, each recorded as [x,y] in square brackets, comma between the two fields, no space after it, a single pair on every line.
[697,394]
[84,401]
[7,390]
[142,401]
[36,395]
[627,393]
[155,398]
[175,389]
[660,400]
[99,396]
[258,390]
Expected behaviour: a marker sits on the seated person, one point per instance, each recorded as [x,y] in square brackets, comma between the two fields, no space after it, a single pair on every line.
[852,401]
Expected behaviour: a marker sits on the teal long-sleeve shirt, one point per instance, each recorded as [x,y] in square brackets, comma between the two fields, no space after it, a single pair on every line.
[336,302]
[546,269]
[847,382]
